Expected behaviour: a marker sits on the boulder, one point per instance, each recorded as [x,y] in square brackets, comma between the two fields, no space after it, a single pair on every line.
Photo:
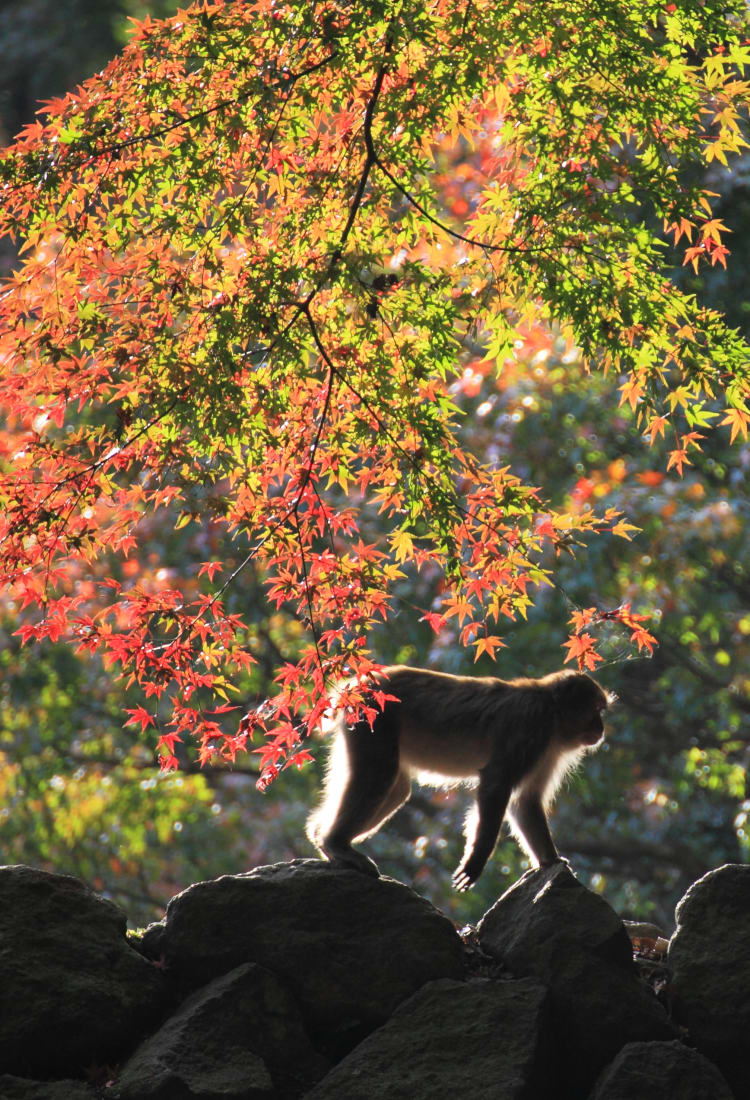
[549,926]
[21,1088]
[349,947]
[73,992]
[240,1036]
[709,955]
[660,1071]
[480,1039]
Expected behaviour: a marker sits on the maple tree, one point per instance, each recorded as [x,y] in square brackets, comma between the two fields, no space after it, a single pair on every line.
[246,293]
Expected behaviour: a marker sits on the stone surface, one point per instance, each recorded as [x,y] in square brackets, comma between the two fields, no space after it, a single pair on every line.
[349,947]
[550,927]
[709,956]
[21,1088]
[547,908]
[251,977]
[73,992]
[485,1040]
[661,1071]
[241,1036]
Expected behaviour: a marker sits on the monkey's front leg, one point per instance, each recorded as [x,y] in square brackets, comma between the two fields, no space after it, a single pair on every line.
[529,822]
[482,832]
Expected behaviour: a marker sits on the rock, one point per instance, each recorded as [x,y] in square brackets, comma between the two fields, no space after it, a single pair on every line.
[549,926]
[72,990]
[660,1071]
[480,1039]
[349,947]
[709,956]
[240,1036]
[20,1088]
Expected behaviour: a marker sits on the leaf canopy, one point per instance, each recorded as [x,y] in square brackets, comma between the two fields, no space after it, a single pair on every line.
[243,299]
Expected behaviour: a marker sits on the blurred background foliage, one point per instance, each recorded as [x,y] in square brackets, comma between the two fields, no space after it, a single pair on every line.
[663,802]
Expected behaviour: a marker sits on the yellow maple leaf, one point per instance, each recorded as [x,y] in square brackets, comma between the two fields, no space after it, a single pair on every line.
[402,545]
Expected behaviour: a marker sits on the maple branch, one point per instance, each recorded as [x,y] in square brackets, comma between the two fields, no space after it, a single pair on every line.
[373,158]
[213,767]
[370,159]
[289,79]
[306,588]
[326,404]
[304,480]
[303,307]
[485,245]
[87,473]
[462,513]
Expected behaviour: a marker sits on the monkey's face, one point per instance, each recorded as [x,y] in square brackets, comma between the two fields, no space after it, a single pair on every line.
[593,731]
[582,704]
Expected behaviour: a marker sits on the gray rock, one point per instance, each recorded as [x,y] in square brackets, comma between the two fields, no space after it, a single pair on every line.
[481,1039]
[349,947]
[20,1088]
[709,956]
[549,908]
[72,990]
[240,1036]
[661,1071]
[551,927]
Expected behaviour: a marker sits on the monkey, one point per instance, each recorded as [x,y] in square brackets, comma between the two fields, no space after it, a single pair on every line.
[512,740]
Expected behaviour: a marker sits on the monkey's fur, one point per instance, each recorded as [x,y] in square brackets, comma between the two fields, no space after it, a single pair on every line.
[513,740]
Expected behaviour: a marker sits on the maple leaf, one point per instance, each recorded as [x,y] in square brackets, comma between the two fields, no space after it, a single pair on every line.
[623,530]
[210,568]
[582,618]
[581,649]
[402,544]
[678,459]
[738,420]
[488,644]
[139,717]
[435,620]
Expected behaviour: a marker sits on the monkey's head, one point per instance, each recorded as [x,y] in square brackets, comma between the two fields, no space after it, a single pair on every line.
[579,705]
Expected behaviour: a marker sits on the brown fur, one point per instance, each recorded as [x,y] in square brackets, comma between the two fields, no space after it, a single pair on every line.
[514,740]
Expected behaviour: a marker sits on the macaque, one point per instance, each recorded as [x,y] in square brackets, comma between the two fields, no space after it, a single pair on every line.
[512,740]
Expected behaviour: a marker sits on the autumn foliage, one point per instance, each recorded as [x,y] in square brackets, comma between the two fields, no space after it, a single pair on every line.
[250,276]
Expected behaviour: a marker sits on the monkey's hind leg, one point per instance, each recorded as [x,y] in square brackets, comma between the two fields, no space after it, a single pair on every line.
[393,801]
[363,788]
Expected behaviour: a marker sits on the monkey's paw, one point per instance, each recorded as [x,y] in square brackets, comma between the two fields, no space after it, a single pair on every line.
[346,857]
[355,861]
[463,879]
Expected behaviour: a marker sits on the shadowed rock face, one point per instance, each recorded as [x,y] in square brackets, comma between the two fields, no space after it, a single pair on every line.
[481,1039]
[351,948]
[549,926]
[709,955]
[241,1035]
[660,1071]
[72,989]
[306,980]
[20,1088]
